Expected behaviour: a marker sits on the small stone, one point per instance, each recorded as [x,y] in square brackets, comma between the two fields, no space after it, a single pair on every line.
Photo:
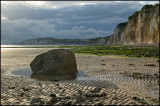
[98,89]
[103,64]
[58,103]
[78,97]
[68,103]
[99,104]
[36,101]
[73,102]
[156,75]
[131,64]
[11,87]
[103,94]
[115,98]
[136,98]
[21,94]
[67,97]
[96,99]
[52,101]
[57,85]
[153,65]
[52,95]
[25,89]
[54,80]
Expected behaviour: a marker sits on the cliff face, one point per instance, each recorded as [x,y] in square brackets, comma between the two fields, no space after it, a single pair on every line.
[142,28]
[118,36]
[52,41]
[111,40]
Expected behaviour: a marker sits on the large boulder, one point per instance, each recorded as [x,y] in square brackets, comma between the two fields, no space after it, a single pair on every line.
[54,62]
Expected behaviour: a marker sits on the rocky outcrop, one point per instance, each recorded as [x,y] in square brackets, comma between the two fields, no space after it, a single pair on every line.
[111,40]
[118,36]
[54,62]
[101,41]
[54,41]
[142,28]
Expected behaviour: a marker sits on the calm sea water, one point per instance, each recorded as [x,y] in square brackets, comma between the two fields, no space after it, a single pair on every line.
[3,46]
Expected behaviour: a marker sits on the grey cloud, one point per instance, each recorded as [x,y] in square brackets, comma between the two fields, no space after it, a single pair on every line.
[18,29]
[87,21]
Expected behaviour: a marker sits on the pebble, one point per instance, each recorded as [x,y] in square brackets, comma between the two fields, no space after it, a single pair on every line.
[21,94]
[103,64]
[67,97]
[57,85]
[25,89]
[36,101]
[153,65]
[78,97]
[52,101]
[52,95]
[11,87]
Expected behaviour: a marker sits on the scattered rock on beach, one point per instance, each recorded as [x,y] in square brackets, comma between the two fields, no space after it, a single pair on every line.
[78,97]
[36,101]
[11,87]
[25,89]
[150,64]
[52,101]
[52,95]
[57,61]
[131,64]
[156,75]
[103,64]
[21,94]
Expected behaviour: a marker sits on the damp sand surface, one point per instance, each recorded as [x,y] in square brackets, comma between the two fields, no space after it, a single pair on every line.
[125,81]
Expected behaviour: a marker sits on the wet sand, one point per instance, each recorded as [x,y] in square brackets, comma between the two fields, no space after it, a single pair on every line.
[121,80]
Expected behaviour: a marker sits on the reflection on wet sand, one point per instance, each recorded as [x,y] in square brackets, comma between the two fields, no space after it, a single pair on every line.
[27,72]
[41,77]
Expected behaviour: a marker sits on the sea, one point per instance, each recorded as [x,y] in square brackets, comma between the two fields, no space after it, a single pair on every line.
[21,46]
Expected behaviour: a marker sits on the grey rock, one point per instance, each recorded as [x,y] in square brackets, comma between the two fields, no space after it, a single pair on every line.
[52,101]
[54,62]
[67,97]
[103,64]
[25,89]
[150,64]
[36,101]
[21,94]
[11,87]
[52,95]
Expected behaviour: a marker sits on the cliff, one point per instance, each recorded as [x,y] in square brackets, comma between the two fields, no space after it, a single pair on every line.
[50,41]
[117,36]
[142,28]
[53,41]
[111,40]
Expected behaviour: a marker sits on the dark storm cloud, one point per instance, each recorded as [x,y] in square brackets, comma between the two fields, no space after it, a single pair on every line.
[74,14]
[23,22]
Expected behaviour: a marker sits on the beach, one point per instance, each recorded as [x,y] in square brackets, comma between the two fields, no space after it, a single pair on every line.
[106,80]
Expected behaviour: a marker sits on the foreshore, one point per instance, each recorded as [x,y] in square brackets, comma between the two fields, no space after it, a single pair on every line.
[112,81]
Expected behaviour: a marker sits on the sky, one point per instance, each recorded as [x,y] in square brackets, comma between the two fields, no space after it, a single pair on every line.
[21,20]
